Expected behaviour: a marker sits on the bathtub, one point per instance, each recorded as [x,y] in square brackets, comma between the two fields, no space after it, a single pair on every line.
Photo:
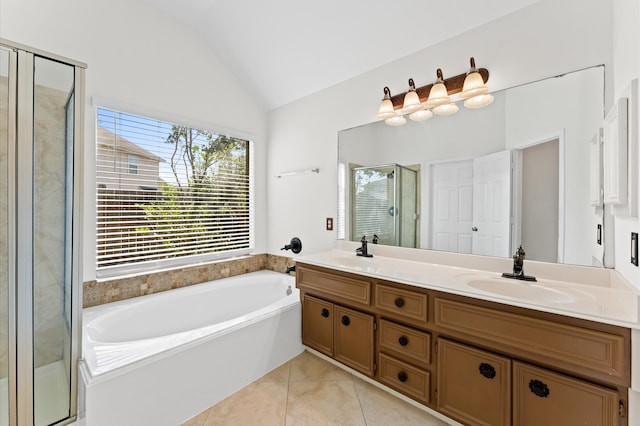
[162,358]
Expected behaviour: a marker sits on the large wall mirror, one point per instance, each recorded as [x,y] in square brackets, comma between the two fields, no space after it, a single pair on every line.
[483,181]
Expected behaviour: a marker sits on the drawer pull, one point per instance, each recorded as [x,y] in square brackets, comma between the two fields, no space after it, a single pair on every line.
[399,302]
[345,320]
[487,370]
[325,312]
[403,341]
[539,388]
[402,376]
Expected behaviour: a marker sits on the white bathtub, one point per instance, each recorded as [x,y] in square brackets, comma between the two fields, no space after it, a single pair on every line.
[162,358]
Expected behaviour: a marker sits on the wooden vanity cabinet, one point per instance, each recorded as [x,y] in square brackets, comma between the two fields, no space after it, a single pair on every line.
[317,324]
[474,386]
[342,333]
[542,397]
[476,361]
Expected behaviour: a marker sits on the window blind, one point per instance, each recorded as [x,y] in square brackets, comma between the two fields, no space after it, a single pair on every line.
[169,192]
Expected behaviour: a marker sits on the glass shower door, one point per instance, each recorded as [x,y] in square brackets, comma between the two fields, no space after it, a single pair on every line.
[4,238]
[53,95]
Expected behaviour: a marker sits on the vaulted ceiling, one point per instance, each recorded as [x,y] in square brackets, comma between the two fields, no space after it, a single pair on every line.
[284,50]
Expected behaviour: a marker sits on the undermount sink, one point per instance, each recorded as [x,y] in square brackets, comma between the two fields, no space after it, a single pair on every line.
[522,289]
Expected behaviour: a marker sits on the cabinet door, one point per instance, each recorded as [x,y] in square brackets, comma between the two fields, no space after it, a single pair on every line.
[317,324]
[353,344]
[474,386]
[542,397]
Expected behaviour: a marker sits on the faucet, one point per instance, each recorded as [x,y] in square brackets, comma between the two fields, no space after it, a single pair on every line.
[290,269]
[375,239]
[518,267]
[362,250]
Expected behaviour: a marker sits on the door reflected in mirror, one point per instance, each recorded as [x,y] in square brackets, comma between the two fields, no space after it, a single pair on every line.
[486,181]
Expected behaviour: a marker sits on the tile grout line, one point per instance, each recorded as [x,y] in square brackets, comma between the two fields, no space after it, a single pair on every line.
[364,417]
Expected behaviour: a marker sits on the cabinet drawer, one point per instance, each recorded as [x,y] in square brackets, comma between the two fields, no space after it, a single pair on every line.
[351,289]
[317,324]
[404,377]
[402,303]
[581,350]
[542,397]
[353,339]
[474,386]
[404,340]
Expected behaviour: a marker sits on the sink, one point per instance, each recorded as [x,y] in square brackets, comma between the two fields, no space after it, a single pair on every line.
[522,289]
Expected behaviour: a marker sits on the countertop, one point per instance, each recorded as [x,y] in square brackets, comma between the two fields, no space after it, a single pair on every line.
[592,294]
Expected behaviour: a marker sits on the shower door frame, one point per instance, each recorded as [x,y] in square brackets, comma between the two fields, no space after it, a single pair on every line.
[21,118]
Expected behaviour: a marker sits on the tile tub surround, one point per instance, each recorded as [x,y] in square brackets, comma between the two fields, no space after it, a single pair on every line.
[99,292]
[311,391]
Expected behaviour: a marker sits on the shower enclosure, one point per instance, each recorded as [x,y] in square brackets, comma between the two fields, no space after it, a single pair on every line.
[384,204]
[41,111]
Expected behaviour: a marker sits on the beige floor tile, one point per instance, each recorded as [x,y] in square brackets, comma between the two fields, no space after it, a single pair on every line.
[255,404]
[327,402]
[278,374]
[382,409]
[198,419]
[307,366]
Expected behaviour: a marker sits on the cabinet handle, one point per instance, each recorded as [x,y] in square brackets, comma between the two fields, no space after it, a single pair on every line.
[399,302]
[345,320]
[402,376]
[325,312]
[487,370]
[403,341]
[539,388]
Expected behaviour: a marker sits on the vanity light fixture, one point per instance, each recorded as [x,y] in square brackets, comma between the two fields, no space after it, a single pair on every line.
[411,100]
[474,91]
[422,102]
[386,106]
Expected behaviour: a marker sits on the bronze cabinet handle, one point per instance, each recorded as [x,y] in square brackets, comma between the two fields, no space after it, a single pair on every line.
[399,302]
[487,370]
[402,376]
[345,320]
[403,341]
[325,312]
[539,388]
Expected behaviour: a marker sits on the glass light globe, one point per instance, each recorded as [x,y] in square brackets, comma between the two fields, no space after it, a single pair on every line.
[446,109]
[398,120]
[421,115]
[479,101]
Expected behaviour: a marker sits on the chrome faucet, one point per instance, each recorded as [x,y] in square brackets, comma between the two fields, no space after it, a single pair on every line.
[362,250]
[518,267]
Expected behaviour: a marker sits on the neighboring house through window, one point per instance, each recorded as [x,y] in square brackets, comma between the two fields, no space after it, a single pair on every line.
[168,193]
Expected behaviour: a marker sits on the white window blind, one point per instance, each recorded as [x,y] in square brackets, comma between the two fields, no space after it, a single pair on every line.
[190,197]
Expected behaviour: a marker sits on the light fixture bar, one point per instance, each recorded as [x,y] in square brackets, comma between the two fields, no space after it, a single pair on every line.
[454,85]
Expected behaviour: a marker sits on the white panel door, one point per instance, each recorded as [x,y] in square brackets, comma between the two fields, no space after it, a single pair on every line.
[451,209]
[491,204]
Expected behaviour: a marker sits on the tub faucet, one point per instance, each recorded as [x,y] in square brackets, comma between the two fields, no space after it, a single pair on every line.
[518,267]
[290,269]
[362,250]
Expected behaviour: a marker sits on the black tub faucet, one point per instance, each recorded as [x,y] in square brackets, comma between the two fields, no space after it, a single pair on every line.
[362,250]
[290,269]
[518,267]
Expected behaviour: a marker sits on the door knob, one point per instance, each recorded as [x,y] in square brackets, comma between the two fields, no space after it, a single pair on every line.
[474,229]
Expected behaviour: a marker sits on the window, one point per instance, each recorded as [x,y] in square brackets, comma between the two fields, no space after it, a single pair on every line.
[133,164]
[169,193]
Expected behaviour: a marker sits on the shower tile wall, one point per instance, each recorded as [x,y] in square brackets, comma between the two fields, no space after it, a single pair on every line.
[49,184]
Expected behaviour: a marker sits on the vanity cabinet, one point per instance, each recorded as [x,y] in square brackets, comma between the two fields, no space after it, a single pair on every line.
[474,386]
[479,362]
[339,332]
[542,397]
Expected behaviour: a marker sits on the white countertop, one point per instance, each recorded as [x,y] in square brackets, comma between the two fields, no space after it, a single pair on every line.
[594,294]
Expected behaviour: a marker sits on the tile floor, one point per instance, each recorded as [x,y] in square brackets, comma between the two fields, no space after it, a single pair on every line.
[310,391]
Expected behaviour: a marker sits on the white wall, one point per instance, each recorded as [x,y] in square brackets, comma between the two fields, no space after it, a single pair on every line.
[143,61]
[545,39]
[626,59]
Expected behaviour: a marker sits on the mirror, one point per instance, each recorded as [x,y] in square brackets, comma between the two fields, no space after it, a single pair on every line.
[515,172]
